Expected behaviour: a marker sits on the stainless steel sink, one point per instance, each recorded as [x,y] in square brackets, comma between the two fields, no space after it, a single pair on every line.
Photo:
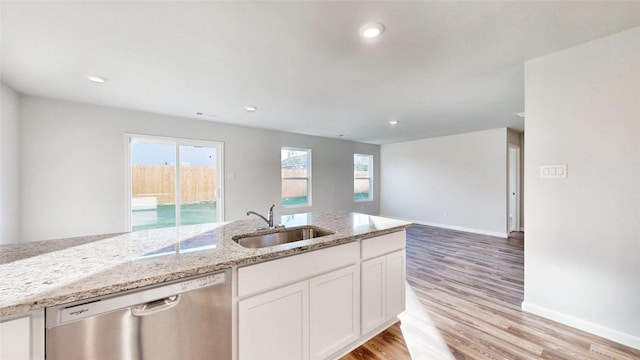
[280,236]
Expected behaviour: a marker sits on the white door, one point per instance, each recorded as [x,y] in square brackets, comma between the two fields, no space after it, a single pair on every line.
[514,188]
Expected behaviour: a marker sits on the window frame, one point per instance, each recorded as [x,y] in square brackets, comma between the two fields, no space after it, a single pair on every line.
[370,177]
[177,142]
[308,177]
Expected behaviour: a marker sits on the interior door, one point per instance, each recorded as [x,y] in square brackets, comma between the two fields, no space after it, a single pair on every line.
[514,188]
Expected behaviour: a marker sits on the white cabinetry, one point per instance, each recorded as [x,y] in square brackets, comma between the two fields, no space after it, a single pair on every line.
[395,283]
[383,280]
[320,304]
[373,295]
[22,336]
[335,311]
[311,318]
[274,325]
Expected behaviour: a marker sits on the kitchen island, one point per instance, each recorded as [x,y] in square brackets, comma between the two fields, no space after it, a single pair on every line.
[42,274]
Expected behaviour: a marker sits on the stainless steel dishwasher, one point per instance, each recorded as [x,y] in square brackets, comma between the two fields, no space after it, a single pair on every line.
[189,319]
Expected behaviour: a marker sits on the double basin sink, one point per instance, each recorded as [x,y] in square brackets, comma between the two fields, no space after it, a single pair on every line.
[279,236]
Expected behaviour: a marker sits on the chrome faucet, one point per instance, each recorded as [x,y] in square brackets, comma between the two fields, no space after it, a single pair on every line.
[268,219]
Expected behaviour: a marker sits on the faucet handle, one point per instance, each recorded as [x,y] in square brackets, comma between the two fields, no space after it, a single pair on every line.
[271,208]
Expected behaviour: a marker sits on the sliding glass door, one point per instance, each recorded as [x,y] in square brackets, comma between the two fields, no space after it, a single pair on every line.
[174,182]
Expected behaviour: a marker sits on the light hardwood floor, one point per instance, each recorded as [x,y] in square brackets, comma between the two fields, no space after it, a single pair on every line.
[463,302]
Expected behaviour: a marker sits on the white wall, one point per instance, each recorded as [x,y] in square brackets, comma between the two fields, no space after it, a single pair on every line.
[582,247]
[9,169]
[73,166]
[457,181]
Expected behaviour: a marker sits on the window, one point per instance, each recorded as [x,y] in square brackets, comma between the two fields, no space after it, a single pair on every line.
[173,182]
[362,177]
[296,176]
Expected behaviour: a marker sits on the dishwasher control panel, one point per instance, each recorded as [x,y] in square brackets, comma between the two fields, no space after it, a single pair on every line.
[202,282]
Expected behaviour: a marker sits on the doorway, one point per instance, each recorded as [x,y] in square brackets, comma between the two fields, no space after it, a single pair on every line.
[513,189]
[173,182]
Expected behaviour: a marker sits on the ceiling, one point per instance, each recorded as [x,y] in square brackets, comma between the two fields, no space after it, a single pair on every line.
[440,68]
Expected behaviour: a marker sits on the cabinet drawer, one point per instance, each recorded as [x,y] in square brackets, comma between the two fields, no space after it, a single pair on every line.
[383,244]
[253,279]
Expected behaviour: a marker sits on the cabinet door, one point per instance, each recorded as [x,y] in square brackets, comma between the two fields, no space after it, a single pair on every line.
[373,294]
[274,325]
[15,339]
[22,337]
[395,280]
[335,311]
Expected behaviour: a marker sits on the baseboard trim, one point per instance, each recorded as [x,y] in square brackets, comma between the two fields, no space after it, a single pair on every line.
[592,328]
[459,228]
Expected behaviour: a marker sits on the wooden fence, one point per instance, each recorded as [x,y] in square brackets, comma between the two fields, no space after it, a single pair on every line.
[294,188]
[360,185]
[197,184]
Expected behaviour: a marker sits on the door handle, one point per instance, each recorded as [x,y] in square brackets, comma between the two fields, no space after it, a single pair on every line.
[155,306]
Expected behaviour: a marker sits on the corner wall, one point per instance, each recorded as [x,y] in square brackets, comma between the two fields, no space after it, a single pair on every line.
[457,181]
[582,248]
[9,166]
[73,167]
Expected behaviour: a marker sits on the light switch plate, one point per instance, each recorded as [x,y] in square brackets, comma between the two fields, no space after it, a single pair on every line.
[553,171]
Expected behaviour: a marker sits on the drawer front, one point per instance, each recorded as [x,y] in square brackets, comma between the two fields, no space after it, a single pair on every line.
[253,279]
[383,244]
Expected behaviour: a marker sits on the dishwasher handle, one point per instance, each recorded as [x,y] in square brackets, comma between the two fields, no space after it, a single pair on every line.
[155,306]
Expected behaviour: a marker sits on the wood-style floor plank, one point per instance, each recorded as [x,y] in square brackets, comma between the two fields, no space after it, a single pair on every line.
[464,293]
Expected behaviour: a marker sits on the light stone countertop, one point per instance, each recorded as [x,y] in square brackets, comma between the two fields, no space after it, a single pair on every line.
[39,274]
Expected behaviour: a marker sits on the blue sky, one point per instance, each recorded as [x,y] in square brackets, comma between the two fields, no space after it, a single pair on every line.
[164,154]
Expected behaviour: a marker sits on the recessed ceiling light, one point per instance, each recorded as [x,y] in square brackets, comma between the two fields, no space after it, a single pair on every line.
[393,122]
[97,79]
[371,30]
[250,108]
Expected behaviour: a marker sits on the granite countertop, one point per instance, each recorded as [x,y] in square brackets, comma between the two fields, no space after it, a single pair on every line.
[46,273]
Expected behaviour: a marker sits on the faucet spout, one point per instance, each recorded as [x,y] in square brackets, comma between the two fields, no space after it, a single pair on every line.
[268,219]
[270,216]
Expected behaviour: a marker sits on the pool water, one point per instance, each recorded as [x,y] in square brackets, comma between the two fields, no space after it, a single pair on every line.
[165,216]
